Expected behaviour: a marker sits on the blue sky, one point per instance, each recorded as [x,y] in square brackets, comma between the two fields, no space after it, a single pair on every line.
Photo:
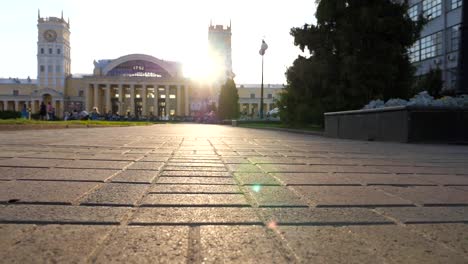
[172,30]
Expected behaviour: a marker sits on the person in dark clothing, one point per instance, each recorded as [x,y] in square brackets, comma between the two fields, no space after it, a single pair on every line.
[42,111]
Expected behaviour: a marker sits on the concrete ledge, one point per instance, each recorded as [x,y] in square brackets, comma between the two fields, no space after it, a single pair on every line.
[400,124]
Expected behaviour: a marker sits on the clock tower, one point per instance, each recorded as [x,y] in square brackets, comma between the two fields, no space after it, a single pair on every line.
[53,52]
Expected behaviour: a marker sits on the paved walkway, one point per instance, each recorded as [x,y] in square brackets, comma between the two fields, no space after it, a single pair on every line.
[220,194]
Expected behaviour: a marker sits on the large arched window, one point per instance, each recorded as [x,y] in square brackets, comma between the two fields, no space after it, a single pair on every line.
[139,68]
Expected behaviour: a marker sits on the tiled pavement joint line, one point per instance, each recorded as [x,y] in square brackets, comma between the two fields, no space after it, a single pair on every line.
[369,205]
[39,222]
[193,205]
[95,188]
[194,245]
[394,195]
[56,180]
[91,258]
[395,220]
[191,224]
[138,203]
[433,240]
[246,194]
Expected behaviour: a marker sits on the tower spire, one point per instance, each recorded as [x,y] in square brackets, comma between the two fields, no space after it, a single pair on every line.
[38,13]
[62,14]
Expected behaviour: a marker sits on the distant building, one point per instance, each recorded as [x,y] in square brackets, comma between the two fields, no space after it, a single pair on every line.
[439,45]
[249,98]
[138,84]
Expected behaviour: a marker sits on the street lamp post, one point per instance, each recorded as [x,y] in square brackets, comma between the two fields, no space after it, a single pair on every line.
[263,48]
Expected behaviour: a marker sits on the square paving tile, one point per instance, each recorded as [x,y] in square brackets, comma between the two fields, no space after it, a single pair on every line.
[454,236]
[247,178]
[387,179]
[135,176]
[155,158]
[429,195]
[16,173]
[196,173]
[132,244]
[319,244]
[349,196]
[268,196]
[12,234]
[56,244]
[243,168]
[225,200]
[194,189]
[43,191]
[177,168]
[235,160]
[240,244]
[323,216]
[146,166]
[61,214]
[416,215]
[311,178]
[94,164]
[116,194]
[197,180]
[446,179]
[193,215]
[29,162]
[60,174]
[195,164]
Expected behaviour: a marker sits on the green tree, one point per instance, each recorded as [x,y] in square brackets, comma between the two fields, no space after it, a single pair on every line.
[228,101]
[431,82]
[358,52]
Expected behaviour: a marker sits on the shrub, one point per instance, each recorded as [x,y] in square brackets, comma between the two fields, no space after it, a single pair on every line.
[9,114]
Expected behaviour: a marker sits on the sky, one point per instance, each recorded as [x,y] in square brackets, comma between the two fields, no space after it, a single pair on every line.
[175,30]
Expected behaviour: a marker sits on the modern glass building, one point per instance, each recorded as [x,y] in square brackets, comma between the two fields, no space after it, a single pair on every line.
[439,45]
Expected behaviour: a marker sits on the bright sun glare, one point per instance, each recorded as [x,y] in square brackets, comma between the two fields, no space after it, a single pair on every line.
[202,67]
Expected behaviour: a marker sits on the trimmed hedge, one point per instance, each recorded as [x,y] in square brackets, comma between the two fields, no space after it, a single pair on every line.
[9,114]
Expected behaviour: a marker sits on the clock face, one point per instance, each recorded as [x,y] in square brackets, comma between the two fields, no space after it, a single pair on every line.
[50,35]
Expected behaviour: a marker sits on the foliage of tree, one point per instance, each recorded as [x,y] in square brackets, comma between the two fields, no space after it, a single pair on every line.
[228,101]
[8,114]
[431,82]
[358,52]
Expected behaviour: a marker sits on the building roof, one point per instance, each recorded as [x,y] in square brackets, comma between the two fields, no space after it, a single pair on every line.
[17,81]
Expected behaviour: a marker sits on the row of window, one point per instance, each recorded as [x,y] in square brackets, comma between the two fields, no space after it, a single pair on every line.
[431,8]
[269,96]
[431,46]
[50,51]
[58,68]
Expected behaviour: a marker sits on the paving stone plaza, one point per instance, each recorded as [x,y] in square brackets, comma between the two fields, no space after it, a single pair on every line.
[192,193]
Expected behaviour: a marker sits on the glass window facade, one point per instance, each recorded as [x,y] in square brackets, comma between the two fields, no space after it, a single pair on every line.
[455,4]
[413,12]
[414,52]
[454,37]
[431,46]
[432,8]
[426,47]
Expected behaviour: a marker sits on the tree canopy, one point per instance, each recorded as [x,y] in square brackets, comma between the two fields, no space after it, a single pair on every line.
[228,101]
[358,52]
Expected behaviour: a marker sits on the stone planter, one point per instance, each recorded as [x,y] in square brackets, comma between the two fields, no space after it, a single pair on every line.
[400,124]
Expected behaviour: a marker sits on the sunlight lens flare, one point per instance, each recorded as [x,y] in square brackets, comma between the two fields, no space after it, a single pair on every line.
[256,188]
[202,67]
